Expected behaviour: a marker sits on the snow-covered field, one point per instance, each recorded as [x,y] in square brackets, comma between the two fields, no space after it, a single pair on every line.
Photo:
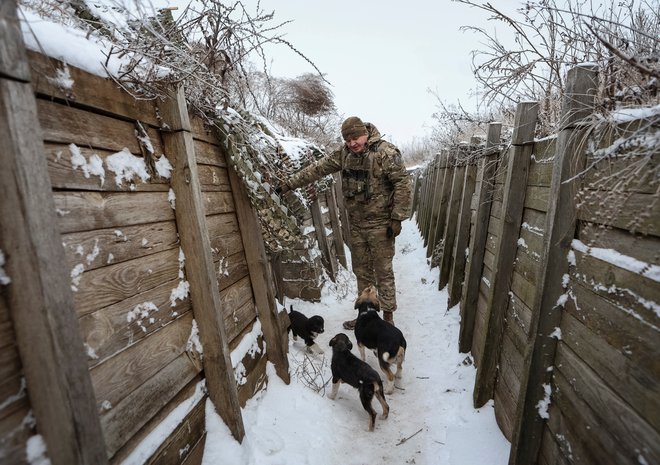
[431,419]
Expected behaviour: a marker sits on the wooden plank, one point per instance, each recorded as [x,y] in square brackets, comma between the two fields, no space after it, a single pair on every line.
[578,102]
[628,173]
[508,230]
[214,178]
[230,270]
[627,289]
[109,330]
[261,279]
[440,200]
[41,304]
[632,211]
[196,454]
[526,265]
[136,440]
[13,60]
[64,176]
[339,197]
[239,319]
[64,124]
[190,217]
[335,226]
[123,420]
[328,260]
[102,247]
[537,198]
[177,446]
[550,451]
[643,248]
[105,286]
[617,432]
[15,430]
[120,375]
[449,233]
[457,274]
[216,203]
[255,381]
[630,377]
[473,269]
[84,211]
[89,91]
[202,130]
[209,154]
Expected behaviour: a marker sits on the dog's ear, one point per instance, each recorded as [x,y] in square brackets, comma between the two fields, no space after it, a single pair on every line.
[332,341]
[350,345]
[358,301]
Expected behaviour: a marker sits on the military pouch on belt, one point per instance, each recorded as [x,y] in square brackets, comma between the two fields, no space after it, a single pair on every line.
[357,182]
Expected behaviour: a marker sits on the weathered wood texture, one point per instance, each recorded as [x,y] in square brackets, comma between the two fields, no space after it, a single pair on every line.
[559,232]
[451,223]
[480,205]
[128,361]
[507,233]
[38,299]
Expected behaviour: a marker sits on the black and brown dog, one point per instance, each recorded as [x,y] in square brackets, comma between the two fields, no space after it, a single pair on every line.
[347,368]
[372,332]
[306,328]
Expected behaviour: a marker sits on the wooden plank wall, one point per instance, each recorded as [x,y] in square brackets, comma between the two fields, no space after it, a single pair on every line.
[121,245]
[601,373]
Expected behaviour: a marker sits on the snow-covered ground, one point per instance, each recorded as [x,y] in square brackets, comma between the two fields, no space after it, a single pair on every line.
[431,419]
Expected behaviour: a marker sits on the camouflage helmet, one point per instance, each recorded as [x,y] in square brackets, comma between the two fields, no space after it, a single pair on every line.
[352,128]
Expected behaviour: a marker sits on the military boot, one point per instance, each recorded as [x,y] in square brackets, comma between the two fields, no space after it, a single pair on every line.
[389,317]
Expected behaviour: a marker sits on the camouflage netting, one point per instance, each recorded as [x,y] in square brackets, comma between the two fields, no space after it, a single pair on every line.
[262,159]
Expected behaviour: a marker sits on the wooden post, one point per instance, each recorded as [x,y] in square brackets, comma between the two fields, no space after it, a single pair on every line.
[581,85]
[39,295]
[423,203]
[431,185]
[433,199]
[483,197]
[444,189]
[194,236]
[457,272]
[449,233]
[260,277]
[326,256]
[522,143]
[331,200]
[339,196]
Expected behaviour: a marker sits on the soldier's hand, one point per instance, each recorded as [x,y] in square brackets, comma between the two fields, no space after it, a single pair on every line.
[394,229]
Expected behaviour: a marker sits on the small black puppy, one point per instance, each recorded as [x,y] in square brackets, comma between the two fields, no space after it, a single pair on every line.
[384,339]
[349,369]
[306,328]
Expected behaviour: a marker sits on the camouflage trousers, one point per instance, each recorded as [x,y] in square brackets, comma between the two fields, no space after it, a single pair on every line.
[372,253]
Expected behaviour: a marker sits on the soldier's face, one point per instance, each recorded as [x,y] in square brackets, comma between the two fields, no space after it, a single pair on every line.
[357,145]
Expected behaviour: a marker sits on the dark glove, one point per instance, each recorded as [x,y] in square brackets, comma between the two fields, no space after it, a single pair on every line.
[394,229]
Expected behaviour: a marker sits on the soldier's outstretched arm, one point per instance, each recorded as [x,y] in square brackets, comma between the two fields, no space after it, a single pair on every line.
[327,165]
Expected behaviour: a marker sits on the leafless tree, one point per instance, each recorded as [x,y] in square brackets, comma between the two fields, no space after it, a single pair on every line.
[550,36]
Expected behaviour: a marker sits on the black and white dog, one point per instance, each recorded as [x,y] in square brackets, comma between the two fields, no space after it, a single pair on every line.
[347,368]
[372,332]
[306,328]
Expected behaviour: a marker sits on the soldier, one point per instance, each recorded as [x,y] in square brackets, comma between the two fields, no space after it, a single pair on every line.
[377,192]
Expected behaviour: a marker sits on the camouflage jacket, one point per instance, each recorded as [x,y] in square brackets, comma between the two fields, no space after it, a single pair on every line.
[375,184]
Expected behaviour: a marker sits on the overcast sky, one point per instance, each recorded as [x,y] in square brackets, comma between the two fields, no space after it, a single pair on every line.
[382,56]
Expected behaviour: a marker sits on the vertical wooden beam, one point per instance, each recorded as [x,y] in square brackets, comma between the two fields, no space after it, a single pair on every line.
[444,189]
[338,235]
[581,85]
[421,215]
[322,239]
[457,273]
[449,234]
[428,204]
[484,197]
[39,295]
[260,277]
[194,237]
[522,143]
[339,196]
